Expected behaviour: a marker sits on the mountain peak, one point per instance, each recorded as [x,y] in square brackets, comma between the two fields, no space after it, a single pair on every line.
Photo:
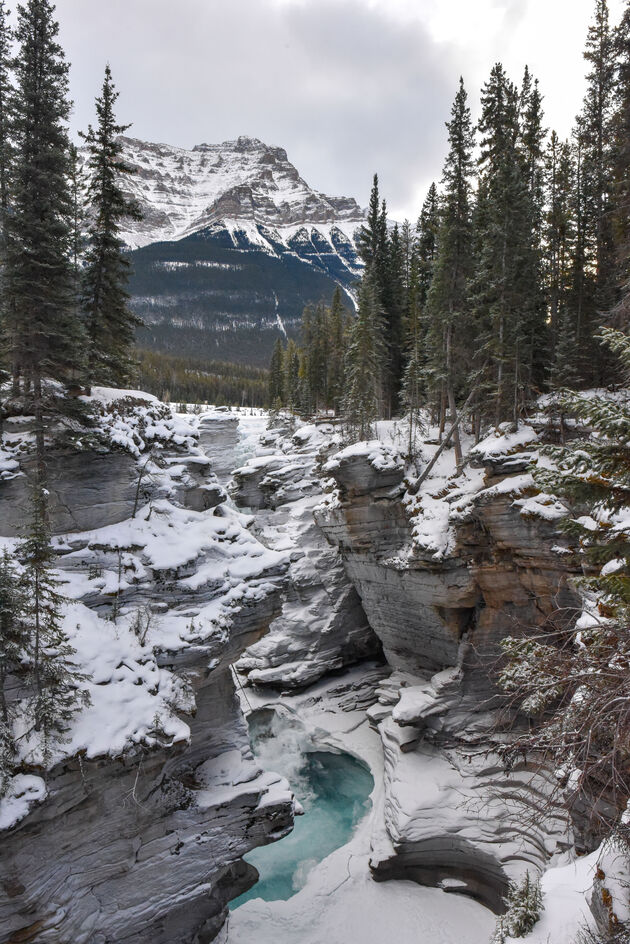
[183,191]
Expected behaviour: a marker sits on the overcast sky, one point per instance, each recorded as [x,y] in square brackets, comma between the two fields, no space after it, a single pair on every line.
[346,86]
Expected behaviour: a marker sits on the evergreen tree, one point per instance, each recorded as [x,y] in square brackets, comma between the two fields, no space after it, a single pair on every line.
[620,197]
[6,109]
[110,322]
[448,314]
[414,377]
[55,677]
[595,262]
[276,376]
[78,216]
[42,328]
[427,229]
[336,351]
[364,362]
[393,303]
[506,269]
[369,236]
[12,653]
[291,376]
[532,139]
[559,236]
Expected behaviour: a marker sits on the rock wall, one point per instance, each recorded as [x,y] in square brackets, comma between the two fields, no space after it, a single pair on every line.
[146,848]
[322,626]
[145,845]
[452,816]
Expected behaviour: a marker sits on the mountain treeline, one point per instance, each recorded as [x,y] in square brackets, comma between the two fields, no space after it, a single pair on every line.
[519,257]
[186,380]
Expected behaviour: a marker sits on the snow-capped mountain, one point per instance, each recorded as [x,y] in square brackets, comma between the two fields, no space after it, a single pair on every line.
[232,245]
[242,182]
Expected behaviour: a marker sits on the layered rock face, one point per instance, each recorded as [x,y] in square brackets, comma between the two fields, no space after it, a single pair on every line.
[443,577]
[137,833]
[146,847]
[322,626]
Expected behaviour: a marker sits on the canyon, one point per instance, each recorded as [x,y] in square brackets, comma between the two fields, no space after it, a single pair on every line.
[218,564]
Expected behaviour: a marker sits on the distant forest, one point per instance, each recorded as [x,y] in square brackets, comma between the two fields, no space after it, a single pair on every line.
[190,380]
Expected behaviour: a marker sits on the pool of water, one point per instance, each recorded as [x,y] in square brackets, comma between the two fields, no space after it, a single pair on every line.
[334,791]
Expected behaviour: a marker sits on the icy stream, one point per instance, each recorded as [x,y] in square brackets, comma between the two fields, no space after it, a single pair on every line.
[334,792]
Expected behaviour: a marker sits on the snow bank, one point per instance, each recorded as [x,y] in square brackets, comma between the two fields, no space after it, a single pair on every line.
[24,792]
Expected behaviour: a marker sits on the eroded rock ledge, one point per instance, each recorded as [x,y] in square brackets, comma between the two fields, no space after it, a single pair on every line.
[443,577]
[136,832]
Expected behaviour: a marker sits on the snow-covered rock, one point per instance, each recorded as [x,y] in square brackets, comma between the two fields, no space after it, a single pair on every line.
[445,570]
[136,830]
[322,626]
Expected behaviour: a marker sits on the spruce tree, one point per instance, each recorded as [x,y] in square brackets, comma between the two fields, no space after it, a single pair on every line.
[427,229]
[364,362]
[595,261]
[291,376]
[6,109]
[559,227]
[506,296]
[55,677]
[336,351]
[620,195]
[447,309]
[393,304]
[12,654]
[369,235]
[532,140]
[276,376]
[414,376]
[574,678]
[42,328]
[110,322]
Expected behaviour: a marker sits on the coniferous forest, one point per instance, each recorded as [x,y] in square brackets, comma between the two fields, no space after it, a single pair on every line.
[500,290]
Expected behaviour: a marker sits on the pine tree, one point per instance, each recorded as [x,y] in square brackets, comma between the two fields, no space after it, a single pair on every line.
[276,376]
[6,109]
[620,196]
[595,262]
[364,362]
[12,653]
[110,322]
[427,229]
[506,268]
[42,327]
[55,677]
[291,376]
[447,307]
[336,351]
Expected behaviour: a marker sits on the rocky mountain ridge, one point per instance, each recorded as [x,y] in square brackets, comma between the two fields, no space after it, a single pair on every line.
[231,246]
[240,183]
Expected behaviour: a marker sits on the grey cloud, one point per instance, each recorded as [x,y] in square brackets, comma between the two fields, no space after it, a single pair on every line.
[345,88]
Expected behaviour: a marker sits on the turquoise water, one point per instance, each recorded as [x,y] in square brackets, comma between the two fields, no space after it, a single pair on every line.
[334,791]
